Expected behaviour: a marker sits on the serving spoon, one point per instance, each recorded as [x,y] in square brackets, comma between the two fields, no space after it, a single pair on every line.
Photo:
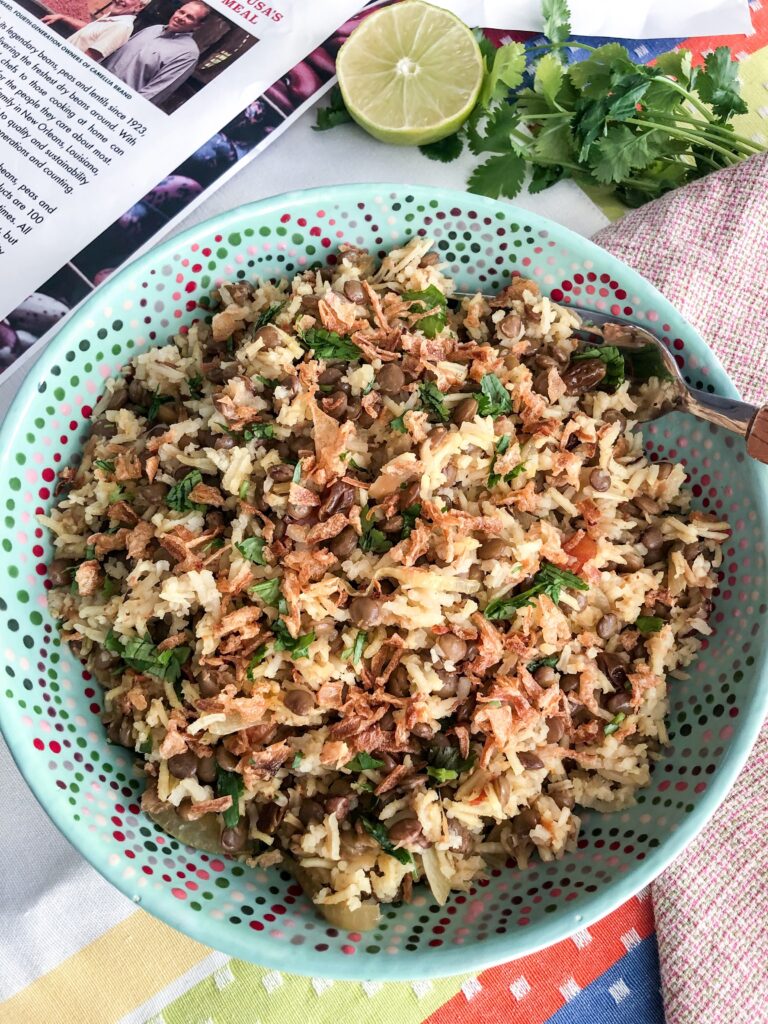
[646,356]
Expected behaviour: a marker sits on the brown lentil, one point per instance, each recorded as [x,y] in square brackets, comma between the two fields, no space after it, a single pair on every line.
[182,766]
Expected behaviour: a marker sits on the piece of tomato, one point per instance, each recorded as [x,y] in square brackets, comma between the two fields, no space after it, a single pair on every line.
[580,550]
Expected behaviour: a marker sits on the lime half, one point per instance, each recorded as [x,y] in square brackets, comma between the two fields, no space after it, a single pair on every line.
[410,74]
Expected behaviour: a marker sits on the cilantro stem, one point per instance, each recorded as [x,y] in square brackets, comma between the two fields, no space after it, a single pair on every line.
[698,138]
[555,163]
[521,136]
[690,97]
[535,118]
[570,44]
[702,136]
[745,145]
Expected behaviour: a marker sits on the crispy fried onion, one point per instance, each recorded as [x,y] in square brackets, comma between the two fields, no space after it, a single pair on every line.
[259,765]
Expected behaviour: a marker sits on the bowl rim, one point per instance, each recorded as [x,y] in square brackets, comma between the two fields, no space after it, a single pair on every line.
[449,960]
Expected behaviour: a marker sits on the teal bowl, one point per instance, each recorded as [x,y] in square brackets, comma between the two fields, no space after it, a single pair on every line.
[50,707]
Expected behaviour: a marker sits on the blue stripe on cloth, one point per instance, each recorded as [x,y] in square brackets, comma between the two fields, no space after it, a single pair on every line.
[640,50]
[627,993]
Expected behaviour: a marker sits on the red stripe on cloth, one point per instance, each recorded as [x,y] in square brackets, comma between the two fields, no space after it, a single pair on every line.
[530,990]
[739,45]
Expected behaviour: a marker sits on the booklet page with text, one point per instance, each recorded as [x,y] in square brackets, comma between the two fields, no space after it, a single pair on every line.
[99,105]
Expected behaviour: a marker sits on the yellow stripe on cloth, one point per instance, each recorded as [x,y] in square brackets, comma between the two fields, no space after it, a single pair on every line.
[109,977]
[240,992]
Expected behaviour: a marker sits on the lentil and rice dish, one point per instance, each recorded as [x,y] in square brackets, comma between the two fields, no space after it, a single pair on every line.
[378,583]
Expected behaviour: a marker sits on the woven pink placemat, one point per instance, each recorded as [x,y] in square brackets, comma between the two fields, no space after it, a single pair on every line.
[705,247]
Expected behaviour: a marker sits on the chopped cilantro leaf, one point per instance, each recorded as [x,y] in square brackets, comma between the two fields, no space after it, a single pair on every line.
[154,405]
[380,834]
[258,656]
[372,539]
[260,431]
[178,496]
[267,590]
[493,399]
[105,465]
[140,654]
[398,424]
[410,515]
[113,642]
[230,784]
[298,757]
[649,623]
[421,302]
[432,401]
[493,477]
[195,385]
[268,315]
[329,345]
[252,548]
[442,774]
[548,662]
[549,580]
[614,723]
[501,446]
[350,460]
[448,758]
[355,652]
[363,762]
[297,647]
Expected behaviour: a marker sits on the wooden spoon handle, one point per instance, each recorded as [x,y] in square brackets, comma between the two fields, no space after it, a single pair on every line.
[757,436]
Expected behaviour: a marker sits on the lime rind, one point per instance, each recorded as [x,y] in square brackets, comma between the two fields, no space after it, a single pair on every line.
[410,74]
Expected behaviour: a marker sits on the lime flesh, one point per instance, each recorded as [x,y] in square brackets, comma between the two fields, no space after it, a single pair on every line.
[410,74]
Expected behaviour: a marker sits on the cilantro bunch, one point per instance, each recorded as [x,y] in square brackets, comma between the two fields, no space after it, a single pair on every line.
[604,121]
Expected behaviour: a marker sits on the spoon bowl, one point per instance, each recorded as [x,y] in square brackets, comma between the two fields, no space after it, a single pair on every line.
[646,358]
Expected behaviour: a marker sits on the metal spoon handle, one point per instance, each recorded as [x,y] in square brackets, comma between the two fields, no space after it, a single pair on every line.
[742,418]
[729,413]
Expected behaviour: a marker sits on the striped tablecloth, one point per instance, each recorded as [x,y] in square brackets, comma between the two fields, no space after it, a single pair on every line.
[74,951]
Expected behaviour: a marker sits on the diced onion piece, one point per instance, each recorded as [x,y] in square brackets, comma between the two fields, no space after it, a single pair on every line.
[439,883]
